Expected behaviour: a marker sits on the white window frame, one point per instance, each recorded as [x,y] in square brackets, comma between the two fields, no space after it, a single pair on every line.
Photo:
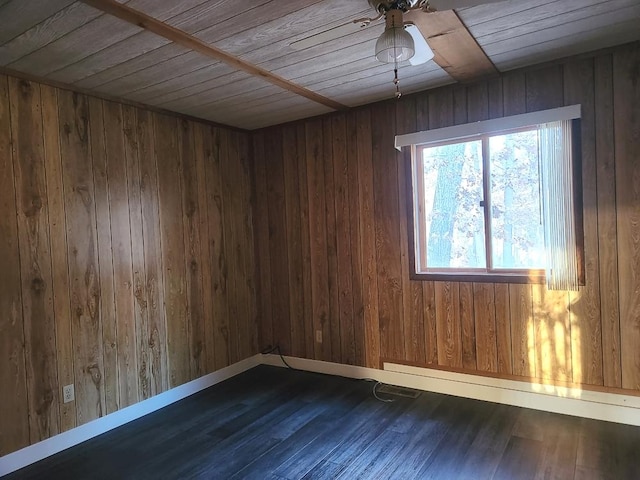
[470,131]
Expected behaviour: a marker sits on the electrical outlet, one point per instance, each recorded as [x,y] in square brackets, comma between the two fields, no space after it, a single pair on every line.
[68,393]
[319,336]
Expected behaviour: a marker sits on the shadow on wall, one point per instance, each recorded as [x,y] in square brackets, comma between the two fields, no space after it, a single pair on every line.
[555,341]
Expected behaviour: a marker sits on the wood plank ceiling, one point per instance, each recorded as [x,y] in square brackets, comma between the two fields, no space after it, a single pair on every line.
[76,44]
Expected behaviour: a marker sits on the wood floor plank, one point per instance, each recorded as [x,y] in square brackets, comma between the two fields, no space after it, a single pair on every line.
[520,459]
[453,449]
[487,448]
[276,423]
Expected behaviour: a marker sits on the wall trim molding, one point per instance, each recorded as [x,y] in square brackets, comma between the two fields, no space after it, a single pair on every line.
[610,407]
[41,450]
[573,401]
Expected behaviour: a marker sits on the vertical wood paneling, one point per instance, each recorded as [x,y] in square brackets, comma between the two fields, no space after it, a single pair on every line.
[318,239]
[503,328]
[552,334]
[305,240]
[290,156]
[430,330]
[218,261]
[513,93]
[105,256]
[495,98]
[14,411]
[238,309]
[261,227]
[460,107]
[447,300]
[35,259]
[330,220]
[387,232]
[83,256]
[127,362]
[544,88]
[247,344]
[477,102]
[367,236]
[468,326]
[59,260]
[278,243]
[343,237]
[173,249]
[485,315]
[95,272]
[355,238]
[140,302]
[522,330]
[202,154]
[154,281]
[607,229]
[586,326]
[626,81]
[412,305]
[193,254]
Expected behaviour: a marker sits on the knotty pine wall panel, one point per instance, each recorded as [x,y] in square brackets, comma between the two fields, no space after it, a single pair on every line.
[587,337]
[127,256]
[626,98]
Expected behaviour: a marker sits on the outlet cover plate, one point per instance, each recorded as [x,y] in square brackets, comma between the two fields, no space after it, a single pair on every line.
[68,393]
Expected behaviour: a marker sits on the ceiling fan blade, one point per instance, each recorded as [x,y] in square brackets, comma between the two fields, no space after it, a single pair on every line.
[454,48]
[326,35]
[442,5]
[423,52]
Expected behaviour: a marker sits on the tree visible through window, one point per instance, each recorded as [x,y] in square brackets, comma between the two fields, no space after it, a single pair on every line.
[480,202]
[499,200]
[497,206]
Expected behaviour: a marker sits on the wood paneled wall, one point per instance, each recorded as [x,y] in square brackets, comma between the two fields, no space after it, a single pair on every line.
[126,256]
[331,229]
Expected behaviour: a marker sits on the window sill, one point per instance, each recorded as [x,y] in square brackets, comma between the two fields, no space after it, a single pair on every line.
[479,277]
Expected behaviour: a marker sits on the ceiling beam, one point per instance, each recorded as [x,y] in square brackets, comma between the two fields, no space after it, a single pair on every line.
[454,48]
[180,37]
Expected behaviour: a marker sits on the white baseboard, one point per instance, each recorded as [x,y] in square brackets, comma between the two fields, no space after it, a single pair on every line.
[38,451]
[569,401]
[583,403]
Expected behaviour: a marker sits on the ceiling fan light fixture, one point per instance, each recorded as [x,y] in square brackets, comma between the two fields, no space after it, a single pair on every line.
[395,44]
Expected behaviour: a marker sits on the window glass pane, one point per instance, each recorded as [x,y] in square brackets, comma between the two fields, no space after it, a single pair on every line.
[516,213]
[454,224]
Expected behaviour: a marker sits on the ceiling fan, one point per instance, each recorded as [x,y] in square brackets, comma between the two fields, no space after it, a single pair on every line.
[414,32]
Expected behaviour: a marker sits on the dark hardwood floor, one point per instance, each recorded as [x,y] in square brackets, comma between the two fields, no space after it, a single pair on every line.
[273,423]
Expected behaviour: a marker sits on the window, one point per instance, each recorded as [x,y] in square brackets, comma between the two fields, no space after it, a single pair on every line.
[498,201]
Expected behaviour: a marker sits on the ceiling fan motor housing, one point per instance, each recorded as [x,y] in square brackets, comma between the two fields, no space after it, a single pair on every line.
[381,6]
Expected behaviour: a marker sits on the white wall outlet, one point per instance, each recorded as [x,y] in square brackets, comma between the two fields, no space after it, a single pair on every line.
[319,336]
[68,393]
